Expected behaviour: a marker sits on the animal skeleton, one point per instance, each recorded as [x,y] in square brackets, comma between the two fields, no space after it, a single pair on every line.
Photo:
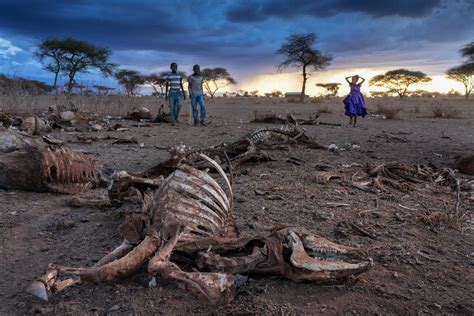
[31,164]
[187,220]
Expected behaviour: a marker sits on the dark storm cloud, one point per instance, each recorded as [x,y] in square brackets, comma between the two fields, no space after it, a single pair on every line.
[240,35]
[252,11]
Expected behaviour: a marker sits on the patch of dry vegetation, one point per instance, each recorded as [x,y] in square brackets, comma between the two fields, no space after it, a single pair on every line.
[445,110]
[390,111]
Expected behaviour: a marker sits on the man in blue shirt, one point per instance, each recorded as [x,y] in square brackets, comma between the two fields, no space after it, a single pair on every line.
[174,84]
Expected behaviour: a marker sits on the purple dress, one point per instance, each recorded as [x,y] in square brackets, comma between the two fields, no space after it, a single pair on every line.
[355,103]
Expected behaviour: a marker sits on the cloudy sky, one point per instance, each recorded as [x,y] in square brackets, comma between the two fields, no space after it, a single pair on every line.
[363,36]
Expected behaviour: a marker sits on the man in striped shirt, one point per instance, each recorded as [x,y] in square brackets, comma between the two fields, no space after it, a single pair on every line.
[174,84]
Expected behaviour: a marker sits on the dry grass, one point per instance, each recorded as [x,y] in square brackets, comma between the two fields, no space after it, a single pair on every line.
[323,109]
[417,108]
[389,111]
[445,110]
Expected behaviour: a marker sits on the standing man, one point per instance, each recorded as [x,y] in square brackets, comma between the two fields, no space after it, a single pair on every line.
[174,83]
[196,94]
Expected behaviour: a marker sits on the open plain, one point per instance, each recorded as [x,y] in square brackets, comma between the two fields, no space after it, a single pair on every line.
[422,263]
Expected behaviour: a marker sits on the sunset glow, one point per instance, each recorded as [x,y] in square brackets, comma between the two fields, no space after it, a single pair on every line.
[291,82]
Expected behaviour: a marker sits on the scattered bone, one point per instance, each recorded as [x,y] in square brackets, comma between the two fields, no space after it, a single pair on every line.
[34,125]
[324,177]
[188,221]
[67,116]
[96,127]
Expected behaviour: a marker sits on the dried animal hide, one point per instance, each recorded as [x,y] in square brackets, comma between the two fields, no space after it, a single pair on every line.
[32,165]
[188,222]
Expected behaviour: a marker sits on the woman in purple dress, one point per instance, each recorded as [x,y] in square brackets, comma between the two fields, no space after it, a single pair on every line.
[354,102]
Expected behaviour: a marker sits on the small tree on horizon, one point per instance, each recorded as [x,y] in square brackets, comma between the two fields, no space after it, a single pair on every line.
[71,56]
[156,81]
[300,53]
[398,81]
[130,80]
[103,90]
[216,78]
[332,88]
[82,56]
[463,74]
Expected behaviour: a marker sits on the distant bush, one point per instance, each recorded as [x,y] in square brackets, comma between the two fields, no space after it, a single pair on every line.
[324,109]
[445,111]
[390,112]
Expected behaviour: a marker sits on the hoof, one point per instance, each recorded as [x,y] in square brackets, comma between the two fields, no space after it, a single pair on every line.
[38,289]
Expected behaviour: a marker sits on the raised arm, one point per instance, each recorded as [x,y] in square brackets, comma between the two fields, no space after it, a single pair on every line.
[362,80]
[347,79]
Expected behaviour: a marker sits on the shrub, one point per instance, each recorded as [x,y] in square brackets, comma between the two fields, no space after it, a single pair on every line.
[390,112]
[445,110]
[323,109]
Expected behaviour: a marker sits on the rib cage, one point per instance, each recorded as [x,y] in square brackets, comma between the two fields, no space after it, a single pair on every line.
[194,200]
[65,171]
[267,133]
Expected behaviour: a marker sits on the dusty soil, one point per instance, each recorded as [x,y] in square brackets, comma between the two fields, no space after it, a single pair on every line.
[419,268]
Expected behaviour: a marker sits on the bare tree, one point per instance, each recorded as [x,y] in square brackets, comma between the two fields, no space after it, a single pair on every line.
[300,53]
[398,81]
[130,80]
[216,78]
[463,74]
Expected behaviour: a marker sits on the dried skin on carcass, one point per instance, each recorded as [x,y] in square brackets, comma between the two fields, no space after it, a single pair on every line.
[32,165]
[188,222]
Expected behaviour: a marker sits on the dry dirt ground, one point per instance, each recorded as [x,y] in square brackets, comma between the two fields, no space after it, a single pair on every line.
[419,268]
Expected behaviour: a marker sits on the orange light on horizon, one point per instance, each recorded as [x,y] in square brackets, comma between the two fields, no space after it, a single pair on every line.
[291,82]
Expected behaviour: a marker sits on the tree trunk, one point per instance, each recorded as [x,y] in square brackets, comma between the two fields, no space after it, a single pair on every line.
[55,84]
[303,89]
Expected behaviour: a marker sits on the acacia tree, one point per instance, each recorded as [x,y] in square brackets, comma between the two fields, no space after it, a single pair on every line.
[332,88]
[156,81]
[216,78]
[463,74]
[51,54]
[80,57]
[398,81]
[300,53]
[468,52]
[130,80]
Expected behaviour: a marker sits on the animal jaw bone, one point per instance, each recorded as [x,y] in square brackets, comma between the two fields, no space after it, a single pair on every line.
[188,220]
